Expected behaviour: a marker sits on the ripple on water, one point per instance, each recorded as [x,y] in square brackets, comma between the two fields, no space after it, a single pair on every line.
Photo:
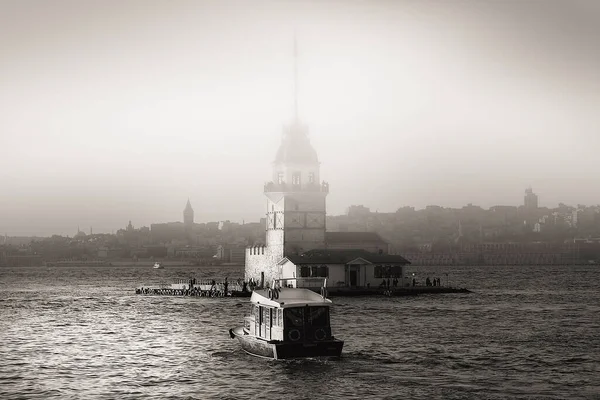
[81,333]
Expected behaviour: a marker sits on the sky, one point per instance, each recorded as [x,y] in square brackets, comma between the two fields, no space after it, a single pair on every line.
[113,111]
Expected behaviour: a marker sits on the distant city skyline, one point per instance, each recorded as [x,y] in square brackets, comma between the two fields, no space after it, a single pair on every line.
[121,111]
[139,224]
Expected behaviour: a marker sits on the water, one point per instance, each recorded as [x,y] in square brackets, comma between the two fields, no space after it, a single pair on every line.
[81,332]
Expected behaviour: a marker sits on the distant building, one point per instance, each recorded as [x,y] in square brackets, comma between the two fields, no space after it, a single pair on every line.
[231,254]
[369,241]
[531,200]
[358,211]
[167,232]
[80,235]
[188,216]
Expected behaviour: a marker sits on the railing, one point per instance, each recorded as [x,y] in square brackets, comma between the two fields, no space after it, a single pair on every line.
[303,282]
[284,187]
[206,284]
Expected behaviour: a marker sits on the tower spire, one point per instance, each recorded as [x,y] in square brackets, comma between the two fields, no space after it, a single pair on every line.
[295,78]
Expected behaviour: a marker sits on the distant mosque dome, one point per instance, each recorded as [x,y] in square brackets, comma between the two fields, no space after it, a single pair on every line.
[295,147]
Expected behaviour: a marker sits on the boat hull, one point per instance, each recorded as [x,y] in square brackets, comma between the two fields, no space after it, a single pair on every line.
[286,350]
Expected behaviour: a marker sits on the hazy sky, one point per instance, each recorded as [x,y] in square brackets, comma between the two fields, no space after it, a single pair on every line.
[113,111]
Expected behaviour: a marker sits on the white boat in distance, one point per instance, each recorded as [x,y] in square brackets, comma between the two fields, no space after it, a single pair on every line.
[158,265]
[288,323]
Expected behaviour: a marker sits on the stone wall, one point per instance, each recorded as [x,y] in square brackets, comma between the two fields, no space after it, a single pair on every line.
[265,261]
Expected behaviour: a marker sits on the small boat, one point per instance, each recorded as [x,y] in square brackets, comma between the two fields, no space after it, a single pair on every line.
[288,323]
[158,265]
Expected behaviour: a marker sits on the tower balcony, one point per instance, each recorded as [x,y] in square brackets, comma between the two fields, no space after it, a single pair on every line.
[307,187]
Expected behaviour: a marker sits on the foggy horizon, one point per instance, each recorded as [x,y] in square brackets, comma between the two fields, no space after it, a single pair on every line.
[122,111]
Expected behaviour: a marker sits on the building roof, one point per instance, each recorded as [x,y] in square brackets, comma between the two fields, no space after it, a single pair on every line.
[287,297]
[295,147]
[329,256]
[353,237]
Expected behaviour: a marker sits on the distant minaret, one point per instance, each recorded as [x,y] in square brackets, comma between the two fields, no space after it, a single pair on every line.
[188,215]
[91,231]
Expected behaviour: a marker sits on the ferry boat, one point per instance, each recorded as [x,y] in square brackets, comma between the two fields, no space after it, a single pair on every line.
[158,265]
[288,323]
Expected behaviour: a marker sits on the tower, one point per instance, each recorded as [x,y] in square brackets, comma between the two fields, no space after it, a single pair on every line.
[295,199]
[296,206]
[531,200]
[188,215]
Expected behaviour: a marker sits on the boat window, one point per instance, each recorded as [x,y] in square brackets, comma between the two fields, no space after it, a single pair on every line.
[280,317]
[276,315]
[265,315]
[255,311]
[318,316]
[294,317]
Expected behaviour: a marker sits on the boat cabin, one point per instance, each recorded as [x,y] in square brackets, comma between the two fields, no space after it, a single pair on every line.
[288,315]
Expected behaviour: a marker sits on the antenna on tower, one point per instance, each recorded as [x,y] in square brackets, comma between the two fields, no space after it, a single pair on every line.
[295,78]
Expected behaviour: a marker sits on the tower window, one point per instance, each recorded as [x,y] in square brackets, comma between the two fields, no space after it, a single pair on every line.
[279,178]
[311,177]
[296,178]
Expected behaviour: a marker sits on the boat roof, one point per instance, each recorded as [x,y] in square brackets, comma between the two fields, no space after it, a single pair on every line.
[289,297]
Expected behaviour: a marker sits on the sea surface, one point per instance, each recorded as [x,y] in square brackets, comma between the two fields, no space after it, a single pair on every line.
[82,333]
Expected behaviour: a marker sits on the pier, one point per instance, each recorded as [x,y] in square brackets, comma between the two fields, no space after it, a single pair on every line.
[198,288]
[238,288]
